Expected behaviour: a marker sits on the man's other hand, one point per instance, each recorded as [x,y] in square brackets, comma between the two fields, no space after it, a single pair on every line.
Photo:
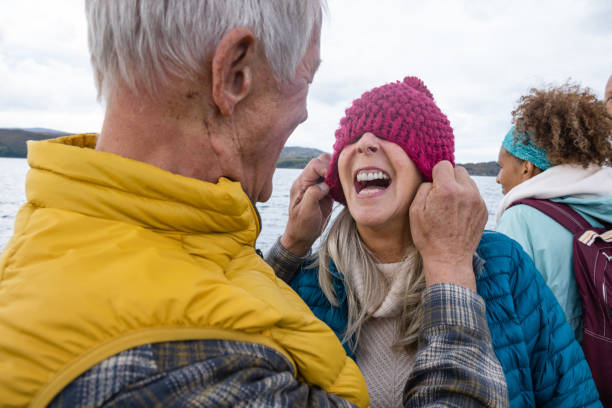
[447,218]
[309,207]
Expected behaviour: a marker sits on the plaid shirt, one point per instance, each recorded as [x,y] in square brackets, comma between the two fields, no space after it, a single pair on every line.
[199,373]
[455,365]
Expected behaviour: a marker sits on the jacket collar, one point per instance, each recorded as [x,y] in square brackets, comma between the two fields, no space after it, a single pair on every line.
[68,174]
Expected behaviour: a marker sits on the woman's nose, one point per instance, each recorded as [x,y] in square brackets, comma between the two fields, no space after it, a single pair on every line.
[368,144]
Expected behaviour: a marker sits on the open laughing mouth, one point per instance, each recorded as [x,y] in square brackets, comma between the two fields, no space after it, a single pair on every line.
[370,182]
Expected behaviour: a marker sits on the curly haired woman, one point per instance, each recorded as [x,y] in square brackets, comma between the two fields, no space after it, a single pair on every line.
[559,149]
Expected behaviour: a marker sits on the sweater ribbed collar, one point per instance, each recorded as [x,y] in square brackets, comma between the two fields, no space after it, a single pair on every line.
[396,275]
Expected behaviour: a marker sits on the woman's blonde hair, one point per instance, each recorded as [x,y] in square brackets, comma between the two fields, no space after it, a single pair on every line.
[343,244]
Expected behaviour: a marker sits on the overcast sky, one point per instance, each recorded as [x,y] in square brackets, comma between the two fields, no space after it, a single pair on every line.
[477,57]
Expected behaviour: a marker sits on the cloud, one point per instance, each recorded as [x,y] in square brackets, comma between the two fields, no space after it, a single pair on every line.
[44,66]
[597,17]
[477,57]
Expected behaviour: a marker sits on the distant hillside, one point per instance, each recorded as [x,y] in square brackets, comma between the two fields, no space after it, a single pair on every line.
[481,169]
[13,141]
[13,144]
[45,130]
[290,152]
[294,157]
[298,157]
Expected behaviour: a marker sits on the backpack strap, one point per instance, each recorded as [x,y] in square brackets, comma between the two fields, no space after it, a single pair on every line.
[562,213]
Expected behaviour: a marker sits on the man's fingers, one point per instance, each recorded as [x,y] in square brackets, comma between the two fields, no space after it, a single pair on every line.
[327,203]
[462,176]
[443,172]
[469,187]
[420,198]
[313,173]
[325,158]
[314,194]
[316,169]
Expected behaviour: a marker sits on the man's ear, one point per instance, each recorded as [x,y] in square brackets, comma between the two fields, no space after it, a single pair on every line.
[232,71]
[528,170]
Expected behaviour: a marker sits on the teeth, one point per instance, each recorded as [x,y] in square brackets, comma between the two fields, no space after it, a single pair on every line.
[370,190]
[369,175]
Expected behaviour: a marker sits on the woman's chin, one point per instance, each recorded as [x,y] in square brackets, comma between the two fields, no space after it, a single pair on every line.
[368,222]
[375,221]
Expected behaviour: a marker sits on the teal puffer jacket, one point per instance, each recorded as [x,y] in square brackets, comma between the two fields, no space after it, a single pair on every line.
[543,363]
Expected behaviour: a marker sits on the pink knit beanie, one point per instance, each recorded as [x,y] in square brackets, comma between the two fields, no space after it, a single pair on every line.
[401,112]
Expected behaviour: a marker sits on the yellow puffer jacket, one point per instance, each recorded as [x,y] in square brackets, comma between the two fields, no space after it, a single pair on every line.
[110,253]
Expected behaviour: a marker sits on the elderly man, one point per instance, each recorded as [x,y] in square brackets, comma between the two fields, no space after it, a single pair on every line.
[608,96]
[132,278]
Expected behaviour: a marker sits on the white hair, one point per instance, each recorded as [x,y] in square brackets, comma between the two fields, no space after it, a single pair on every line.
[144,43]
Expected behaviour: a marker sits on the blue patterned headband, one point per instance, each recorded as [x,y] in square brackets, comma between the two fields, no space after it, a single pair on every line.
[514,144]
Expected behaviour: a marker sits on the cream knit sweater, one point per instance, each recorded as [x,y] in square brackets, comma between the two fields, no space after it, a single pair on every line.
[384,369]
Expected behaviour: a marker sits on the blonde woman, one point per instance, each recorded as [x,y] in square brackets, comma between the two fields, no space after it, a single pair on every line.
[368,277]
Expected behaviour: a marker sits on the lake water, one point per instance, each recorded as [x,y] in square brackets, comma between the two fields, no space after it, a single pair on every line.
[274,213]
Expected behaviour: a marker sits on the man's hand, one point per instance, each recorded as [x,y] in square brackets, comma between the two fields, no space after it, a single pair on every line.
[447,218]
[309,207]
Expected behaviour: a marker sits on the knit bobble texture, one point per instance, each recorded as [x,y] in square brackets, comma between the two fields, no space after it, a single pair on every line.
[401,112]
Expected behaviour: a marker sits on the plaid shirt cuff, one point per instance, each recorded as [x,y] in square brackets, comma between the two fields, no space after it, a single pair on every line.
[454,305]
[455,365]
[284,263]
